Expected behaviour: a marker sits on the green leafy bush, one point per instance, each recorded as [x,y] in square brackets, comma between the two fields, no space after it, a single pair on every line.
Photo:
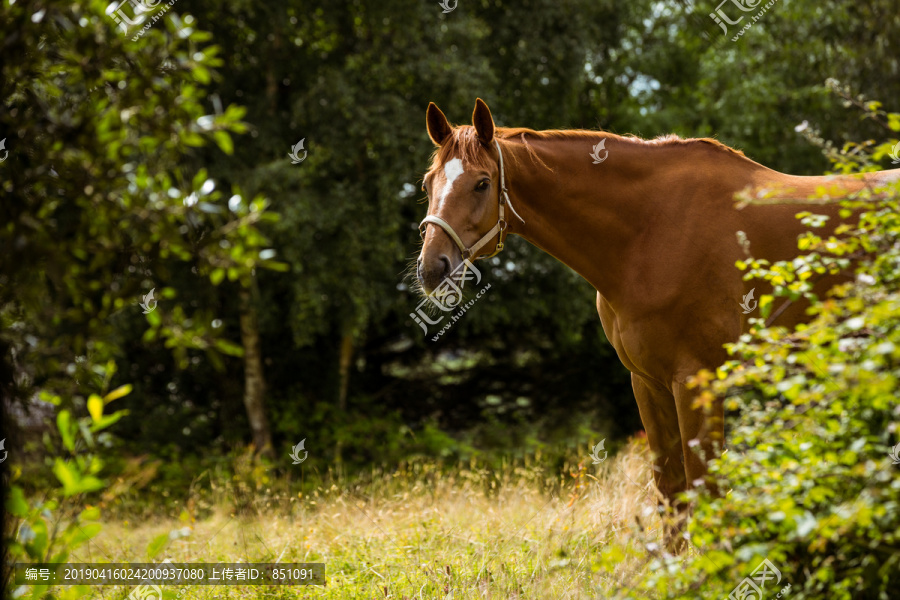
[811,478]
[49,529]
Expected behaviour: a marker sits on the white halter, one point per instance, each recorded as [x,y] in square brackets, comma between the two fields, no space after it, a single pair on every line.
[500,227]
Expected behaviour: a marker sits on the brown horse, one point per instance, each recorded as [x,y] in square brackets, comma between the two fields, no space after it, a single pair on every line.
[650,224]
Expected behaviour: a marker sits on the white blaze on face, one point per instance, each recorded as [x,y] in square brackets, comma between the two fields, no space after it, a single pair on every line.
[452,170]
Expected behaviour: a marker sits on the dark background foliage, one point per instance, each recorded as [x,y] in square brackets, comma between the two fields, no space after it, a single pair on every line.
[101,129]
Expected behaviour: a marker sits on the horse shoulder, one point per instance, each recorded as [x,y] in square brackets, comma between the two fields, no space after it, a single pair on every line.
[611,327]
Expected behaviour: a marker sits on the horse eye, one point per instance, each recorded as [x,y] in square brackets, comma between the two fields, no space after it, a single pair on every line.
[482,185]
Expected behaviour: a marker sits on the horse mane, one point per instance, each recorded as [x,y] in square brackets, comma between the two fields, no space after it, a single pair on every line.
[465,145]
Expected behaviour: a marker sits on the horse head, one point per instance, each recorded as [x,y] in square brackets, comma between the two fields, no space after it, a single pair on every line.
[466,199]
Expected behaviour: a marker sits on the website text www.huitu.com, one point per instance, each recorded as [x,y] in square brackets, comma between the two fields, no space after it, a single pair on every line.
[448,298]
[462,311]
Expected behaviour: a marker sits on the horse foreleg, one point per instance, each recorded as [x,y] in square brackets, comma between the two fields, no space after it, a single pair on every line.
[702,433]
[660,418]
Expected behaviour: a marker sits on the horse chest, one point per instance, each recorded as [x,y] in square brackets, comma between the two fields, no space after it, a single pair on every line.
[626,346]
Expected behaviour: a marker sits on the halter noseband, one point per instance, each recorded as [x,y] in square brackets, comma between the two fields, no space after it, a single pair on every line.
[499,227]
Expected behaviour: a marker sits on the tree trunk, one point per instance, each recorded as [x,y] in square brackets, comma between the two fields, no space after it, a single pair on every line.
[344,379]
[254,378]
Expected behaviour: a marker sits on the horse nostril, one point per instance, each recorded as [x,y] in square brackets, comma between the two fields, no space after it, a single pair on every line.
[446,262]
[431,271]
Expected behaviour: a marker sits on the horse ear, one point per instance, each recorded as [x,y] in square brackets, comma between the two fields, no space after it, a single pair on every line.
[438,126]
[483,122]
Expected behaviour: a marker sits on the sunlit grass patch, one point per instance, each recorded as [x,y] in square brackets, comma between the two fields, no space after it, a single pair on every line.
[428,532]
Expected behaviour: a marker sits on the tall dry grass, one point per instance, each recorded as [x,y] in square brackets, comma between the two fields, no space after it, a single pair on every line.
[424,531]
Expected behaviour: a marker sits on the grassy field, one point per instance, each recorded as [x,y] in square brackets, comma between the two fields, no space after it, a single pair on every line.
[421,532]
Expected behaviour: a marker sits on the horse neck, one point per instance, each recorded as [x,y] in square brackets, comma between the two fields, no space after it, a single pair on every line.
[596,218]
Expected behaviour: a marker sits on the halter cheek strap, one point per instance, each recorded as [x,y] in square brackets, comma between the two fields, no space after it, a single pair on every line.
[500,227]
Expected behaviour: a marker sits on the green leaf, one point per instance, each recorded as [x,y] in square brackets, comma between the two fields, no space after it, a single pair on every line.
[201,73]
[91,513]
[224,141]
[84,533]
[154,319]
[15,502]
[230,348]
[53,399]
[66,429]
[217,276]
[156,546]
[276,266]
[67,476]
[95,407]
[89,484]
[108,420]
[117,393]
[199,178]
[193,139]
[894,121]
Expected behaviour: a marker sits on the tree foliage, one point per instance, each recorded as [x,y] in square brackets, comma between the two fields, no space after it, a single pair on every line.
[156,161]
